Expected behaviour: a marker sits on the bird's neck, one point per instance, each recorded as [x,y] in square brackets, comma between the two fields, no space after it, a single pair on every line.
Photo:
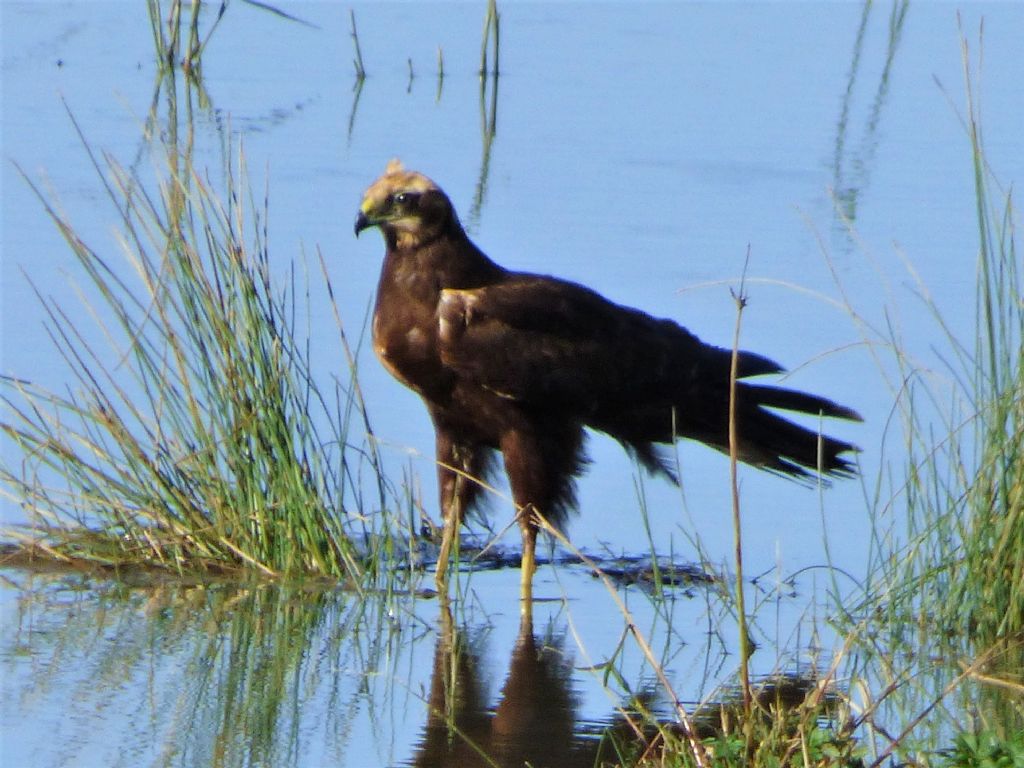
[445,262]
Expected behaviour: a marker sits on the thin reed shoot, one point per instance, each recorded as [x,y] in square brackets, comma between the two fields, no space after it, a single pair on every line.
[490,49]
[357,62]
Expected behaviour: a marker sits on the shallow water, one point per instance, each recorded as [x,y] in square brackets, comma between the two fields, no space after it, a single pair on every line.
[217,673]
[639,149]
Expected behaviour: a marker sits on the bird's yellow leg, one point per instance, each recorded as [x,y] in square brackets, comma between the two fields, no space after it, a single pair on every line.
[529,563]
[449,538]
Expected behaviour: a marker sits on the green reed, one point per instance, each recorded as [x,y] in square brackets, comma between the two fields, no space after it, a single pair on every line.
[171,21]
[357,62]
[195,435]
[490,42]
[991,578]
[939,635]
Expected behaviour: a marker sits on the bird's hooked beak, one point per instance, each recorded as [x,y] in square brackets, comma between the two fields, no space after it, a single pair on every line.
[372,213]
[364,222]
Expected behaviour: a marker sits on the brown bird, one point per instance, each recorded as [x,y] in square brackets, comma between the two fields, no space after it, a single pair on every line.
[520,364]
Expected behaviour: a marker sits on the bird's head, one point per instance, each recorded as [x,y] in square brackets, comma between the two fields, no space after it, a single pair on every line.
[410,209]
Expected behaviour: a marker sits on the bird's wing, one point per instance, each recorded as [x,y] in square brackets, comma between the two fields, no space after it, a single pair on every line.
[552,343]
[560,348]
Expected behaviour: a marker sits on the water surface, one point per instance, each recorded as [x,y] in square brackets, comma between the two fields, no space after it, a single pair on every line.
[641,149]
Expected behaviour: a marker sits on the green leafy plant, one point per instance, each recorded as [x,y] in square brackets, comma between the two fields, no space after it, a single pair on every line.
[986,750]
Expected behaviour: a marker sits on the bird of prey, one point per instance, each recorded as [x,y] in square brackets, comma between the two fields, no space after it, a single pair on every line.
[521,364]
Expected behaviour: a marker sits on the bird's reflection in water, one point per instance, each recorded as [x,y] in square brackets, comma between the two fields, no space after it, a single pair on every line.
[534,722]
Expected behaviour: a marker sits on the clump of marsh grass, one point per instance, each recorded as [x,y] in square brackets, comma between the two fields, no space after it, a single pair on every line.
[196,436]
[989,582]
[941,628]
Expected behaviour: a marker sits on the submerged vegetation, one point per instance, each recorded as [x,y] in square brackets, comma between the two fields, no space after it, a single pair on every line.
[197,439]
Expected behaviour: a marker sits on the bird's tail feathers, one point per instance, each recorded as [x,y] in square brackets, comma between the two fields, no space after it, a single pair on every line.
[772,442]
[800,402]
[655,459]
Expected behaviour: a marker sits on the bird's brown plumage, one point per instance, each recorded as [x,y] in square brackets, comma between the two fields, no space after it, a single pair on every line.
[519,364]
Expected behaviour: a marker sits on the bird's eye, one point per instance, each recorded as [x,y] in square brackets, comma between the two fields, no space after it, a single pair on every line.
[404,198]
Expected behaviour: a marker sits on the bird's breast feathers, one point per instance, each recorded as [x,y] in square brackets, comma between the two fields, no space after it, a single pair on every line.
[404,350]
